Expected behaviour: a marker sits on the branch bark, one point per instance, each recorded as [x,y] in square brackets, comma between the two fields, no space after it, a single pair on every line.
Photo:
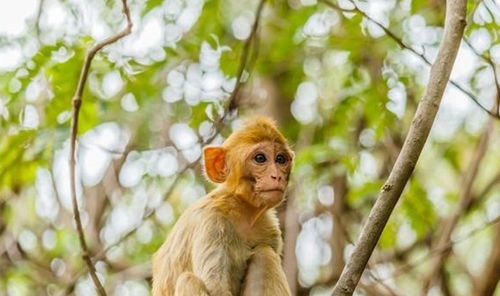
[77,102]
[412,147]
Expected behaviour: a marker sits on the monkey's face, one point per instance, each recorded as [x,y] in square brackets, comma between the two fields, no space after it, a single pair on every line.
[267,168]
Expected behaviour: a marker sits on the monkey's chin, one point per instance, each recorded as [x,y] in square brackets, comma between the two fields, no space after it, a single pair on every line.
[271,199]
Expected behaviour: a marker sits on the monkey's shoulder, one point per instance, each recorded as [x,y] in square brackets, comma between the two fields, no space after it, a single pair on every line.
[205,217]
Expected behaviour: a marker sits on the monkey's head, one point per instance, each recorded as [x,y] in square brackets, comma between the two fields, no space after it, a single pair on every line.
[254,163]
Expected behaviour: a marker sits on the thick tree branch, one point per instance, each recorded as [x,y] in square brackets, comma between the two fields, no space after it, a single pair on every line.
[410,152]
[403,45]
[77,102]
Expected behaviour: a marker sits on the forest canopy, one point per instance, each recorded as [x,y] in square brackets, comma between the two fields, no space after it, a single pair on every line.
[342,79]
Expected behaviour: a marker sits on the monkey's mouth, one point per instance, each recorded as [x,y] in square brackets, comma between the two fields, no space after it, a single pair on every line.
[273,190]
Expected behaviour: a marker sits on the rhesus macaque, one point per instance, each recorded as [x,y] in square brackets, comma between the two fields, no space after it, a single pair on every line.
[229,242]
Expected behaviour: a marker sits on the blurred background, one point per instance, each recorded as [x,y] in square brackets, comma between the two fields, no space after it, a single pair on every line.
[341,78]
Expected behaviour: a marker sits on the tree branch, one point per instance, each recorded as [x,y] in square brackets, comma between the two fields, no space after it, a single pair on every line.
[245,59]
[410,152]
[490,62]
[479,197]
[247,48]
[38,17]
[77,102]
[436,252]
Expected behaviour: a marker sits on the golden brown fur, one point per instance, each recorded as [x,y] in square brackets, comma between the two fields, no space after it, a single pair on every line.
[229,242]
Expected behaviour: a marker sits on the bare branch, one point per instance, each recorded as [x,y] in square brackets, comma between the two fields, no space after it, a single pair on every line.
[247,48]
[245,64]
[410,152]
[436,252]
[77,102]
[487,188]
[38,17]
[490,62]
[336,7]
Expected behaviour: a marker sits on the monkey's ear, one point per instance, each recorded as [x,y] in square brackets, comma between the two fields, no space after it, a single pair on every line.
[215,163]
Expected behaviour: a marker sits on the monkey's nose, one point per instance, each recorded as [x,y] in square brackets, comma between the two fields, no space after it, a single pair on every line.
[277,178]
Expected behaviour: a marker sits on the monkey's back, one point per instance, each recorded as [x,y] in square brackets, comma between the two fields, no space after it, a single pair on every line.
[173,257]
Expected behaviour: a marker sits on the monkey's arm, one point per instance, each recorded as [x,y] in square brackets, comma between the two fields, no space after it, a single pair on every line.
[215,256]
[265,276]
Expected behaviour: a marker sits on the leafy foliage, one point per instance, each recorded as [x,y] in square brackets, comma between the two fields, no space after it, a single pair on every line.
[341,89]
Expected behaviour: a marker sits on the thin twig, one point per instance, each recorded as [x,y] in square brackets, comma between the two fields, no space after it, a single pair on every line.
[146,215]
[487,280]
[232,102]
[77,102]
[403,45]
[490,62]
[38,17]
[403,270]
[336,7]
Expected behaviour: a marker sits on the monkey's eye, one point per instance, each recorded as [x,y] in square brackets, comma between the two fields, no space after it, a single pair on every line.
[260,158]
[281,159]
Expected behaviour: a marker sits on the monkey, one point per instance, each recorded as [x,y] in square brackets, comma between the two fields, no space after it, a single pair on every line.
[229,243]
